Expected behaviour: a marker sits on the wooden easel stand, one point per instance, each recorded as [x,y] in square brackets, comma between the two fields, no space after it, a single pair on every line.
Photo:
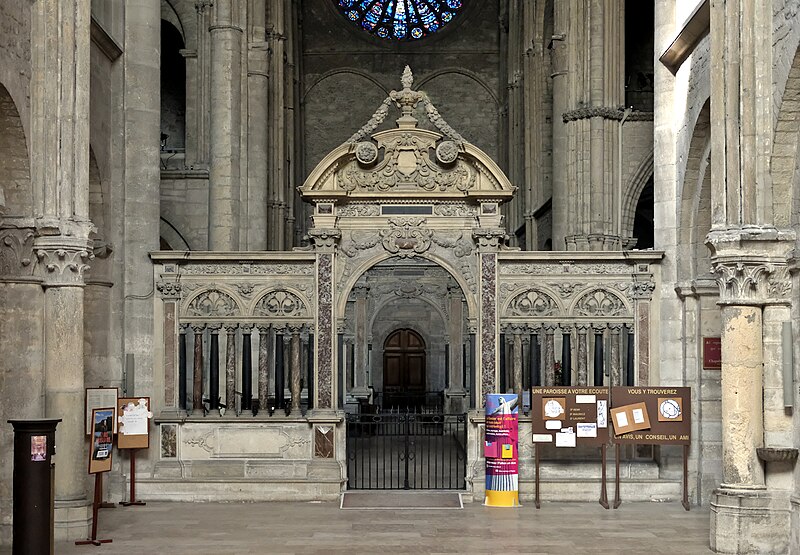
[98,500]
[132,500]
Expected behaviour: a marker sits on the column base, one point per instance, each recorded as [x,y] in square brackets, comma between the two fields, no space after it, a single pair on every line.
[794,524]
[749,521]
[72,520]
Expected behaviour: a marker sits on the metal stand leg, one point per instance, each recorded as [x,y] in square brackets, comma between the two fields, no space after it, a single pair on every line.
[133,500]
[685,501]
[537,501]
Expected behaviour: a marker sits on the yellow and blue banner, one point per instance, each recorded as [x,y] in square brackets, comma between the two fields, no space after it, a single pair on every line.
[501,450]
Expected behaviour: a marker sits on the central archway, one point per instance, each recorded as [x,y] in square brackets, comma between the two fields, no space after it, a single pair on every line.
[404,369]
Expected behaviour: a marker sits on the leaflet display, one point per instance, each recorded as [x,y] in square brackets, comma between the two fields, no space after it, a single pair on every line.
[570,416]
[652,415]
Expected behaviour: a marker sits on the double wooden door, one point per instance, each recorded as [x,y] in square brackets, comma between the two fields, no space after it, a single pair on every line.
[404,368]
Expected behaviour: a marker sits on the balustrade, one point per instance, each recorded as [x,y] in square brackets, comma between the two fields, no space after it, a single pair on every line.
[284,384]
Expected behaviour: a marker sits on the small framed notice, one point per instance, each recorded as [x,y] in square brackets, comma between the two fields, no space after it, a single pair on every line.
[102,444]
[712,353]
[134,422]
[99,397]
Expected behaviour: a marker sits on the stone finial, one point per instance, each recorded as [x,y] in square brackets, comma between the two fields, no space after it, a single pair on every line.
[407,79]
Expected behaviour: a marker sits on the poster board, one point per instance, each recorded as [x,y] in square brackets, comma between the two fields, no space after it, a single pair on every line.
[97,398]
[501,450]
[570,416]
[101,447]
[133,422]
[668,410]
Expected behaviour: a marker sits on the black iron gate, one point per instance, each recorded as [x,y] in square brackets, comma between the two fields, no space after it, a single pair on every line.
[406,450]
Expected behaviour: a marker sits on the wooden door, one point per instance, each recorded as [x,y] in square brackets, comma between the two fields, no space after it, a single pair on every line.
[404,363]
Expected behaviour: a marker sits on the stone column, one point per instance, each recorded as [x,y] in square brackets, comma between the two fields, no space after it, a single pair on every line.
[257,128]
[59,161]
[583,350]
[276,40]
[230,367]
[201,68]
[226,97]
[549,373]
[359,388]
[296,371]
[62,264]
[586,125]
[455,334]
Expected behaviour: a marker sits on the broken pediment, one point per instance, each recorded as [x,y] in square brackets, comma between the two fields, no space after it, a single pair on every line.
[407,163]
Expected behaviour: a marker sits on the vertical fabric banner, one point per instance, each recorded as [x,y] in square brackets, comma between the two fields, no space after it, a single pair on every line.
[500,450]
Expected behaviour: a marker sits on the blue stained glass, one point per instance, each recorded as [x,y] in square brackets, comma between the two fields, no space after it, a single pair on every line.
[400,19]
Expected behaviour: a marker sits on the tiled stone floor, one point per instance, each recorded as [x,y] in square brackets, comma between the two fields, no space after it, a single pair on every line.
[322,528]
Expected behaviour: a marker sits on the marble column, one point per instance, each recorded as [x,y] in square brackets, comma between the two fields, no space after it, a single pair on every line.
[516,357]
[616,350]
[197,368]
[230,367]
[583,352]
[263,366]
[296,372]
[549,373]
[226,97]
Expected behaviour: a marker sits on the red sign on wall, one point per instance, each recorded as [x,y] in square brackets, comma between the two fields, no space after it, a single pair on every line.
[712,353]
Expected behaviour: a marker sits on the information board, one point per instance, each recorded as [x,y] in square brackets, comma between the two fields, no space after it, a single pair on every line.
[501,450]
[661,414]
[570,416]
[134,422]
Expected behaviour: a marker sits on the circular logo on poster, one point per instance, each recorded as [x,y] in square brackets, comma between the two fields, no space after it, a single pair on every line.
[670,409]
[553,409]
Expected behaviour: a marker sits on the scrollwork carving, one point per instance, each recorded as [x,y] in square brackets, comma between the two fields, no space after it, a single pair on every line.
[406,237]
[16,252]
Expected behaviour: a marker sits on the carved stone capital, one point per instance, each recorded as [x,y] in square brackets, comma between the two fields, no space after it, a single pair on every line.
[169,289]
[550,329]
[214,327]
[263,329]
[247,328]
[198,328]
[643,290]
[295,329]
[616,328]
[583,328]
[62,261]
[324,240]
[16,252]
[231,328]
[751,264]
[489,239]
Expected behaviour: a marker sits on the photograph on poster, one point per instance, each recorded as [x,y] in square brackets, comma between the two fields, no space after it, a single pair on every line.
[38,448]
[102,443]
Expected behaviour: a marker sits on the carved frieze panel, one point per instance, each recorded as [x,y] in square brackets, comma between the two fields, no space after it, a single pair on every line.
[565,267]
[247,269]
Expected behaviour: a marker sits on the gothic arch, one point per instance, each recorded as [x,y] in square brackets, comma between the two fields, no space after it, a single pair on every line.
[459,71]
[174,238]
[785,160]
[692,229]
[424,298]
[16,192]
[600,302]
[340,71]
[633,190]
